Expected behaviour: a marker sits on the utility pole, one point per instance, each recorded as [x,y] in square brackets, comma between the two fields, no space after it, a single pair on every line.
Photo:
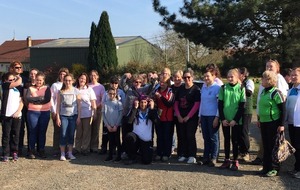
[187,52]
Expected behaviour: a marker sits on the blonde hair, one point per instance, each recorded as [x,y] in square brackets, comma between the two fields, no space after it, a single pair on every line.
[271,77]
[276,63]
[166,70]
[180,72]
[234,71]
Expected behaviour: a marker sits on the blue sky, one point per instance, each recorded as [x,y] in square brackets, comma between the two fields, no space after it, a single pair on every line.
[45,19]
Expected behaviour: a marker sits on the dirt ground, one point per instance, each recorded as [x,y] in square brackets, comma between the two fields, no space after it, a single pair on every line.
[91,172]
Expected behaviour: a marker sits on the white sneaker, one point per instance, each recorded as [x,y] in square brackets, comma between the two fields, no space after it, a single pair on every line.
[191,160]
[62,158]
[71,156]
[181,159]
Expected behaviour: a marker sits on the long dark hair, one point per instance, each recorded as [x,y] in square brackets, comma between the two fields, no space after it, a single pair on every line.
[77,80]
[64,85]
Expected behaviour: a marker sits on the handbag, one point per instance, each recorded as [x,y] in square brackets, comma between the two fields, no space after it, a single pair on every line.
[282,149]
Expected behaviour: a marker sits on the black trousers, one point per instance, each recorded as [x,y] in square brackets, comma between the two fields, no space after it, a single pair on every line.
[126,128]
[10,134]
[23,125]
[114,141]
[268,136]
[133,144]
[294,133]
[186,138]
[105,138]
[244,144]
[235,134]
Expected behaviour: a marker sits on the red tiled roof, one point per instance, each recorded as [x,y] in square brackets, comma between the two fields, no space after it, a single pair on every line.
[17,50]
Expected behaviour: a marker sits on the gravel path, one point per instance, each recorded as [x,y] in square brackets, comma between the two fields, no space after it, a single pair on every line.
[91,172]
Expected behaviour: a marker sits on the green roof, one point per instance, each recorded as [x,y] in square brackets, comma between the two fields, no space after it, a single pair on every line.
[80,42]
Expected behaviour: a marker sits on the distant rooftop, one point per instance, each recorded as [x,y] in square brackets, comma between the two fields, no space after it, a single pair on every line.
[18,49]
[79,42]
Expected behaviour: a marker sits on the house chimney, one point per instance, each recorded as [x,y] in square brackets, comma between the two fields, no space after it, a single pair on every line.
[29,43]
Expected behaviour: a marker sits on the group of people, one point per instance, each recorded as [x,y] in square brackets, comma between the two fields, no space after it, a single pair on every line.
[135,107]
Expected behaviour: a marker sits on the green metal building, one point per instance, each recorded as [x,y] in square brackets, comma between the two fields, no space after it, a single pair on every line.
[67,51]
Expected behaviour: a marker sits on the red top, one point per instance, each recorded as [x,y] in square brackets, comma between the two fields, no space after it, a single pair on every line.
[165,105]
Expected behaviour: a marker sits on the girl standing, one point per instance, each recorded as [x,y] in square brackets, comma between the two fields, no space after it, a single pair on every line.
[68,115]
[55,88]
[38,115]
[231,106]
[112,115]
[11,112]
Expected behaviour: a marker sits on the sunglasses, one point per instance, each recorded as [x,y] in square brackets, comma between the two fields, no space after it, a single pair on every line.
[188,77]
[18,67]
[11,80]
[138,81]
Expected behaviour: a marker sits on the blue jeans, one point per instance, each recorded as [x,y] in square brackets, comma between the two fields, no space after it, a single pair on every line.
[38,123]
[211,137]
[164,131]
[67,130]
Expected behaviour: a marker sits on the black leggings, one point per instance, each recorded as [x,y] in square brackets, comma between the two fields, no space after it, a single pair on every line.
[114,141]
[235,136]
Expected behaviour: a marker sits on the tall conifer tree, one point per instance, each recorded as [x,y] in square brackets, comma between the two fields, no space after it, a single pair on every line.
[106,47]
[92,56]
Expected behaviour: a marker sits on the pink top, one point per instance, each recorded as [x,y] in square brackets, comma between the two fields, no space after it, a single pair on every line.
[40,92]
[99,92]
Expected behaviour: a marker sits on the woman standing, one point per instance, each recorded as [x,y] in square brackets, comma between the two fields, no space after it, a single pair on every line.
[244,144]
[209,118]
[274,66]
[292,112]
[164,98]
[270,119]
[186,106]
[11,108]
[38,115]
[68,115]
[177,79]
[99,92]
[231,107]
[55,88]
[217,73]
[30,82]
[88,108]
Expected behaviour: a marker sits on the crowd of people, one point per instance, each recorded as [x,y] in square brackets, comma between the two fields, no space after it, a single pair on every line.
[136,106]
